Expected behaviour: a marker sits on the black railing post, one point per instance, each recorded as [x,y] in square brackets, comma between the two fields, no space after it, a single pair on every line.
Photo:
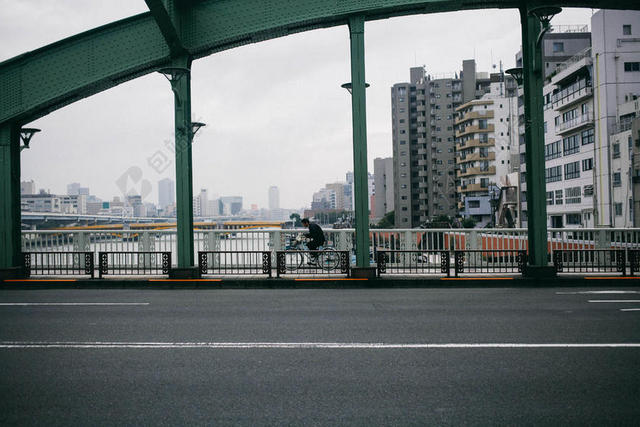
[89,264]
[26,264]
[381,265]
[202,262]
[344,263]
[266,263]
[281,267]
[522,261]
[557,260]
[621,262]
[459,262]
[445,263]
[103,264]
[166,262]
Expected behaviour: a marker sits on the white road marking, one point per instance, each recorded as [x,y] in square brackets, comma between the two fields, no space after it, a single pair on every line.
[630,309]
[614,300]
[597,292]
[303,345]
[71,303]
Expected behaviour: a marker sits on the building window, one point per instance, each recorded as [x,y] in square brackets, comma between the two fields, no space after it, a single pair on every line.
[626,30]
[551,151]
[587,190]
[587,136]
[572,170]
[573,219]
[571,145]
[616,151]
[618,208]
[549,198]
[558,47]
[587,164]
[631,66]
[474,204]
[572,195]
[558,197]
[617,181]
[402,142]
[553,174]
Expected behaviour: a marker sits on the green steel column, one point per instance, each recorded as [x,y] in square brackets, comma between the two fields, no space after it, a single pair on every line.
[359,117]
[184,175]
[10,244]
[534,140]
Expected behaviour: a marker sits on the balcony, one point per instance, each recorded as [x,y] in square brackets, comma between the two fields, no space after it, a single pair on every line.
[475,143]
[472,187]
[575,123]
[563,100]
[476,157]
[474,129]
[491,170]
[484,114]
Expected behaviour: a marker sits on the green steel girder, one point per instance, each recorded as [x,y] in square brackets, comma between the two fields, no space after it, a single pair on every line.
[168,25]
[41,81]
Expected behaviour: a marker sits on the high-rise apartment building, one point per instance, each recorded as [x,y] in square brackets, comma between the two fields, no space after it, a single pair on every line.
[383,179]
[423,141]
[274,197]
[486,150]
[166,193]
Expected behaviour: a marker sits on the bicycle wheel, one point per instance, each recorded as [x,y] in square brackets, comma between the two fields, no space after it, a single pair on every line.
[329,259]
[293,261]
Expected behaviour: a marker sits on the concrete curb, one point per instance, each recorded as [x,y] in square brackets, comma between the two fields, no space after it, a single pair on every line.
[320,283]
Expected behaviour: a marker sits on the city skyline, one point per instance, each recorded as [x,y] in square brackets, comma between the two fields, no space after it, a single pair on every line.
[298,136]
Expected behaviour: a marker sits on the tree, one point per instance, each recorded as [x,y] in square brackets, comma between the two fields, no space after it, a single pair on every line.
[387,221]
[296,219]
[468,222]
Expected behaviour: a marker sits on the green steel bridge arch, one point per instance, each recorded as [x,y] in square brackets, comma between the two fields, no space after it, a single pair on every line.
[173,34]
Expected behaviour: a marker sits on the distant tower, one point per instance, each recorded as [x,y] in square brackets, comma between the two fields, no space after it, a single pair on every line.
[166,193]
[274,197]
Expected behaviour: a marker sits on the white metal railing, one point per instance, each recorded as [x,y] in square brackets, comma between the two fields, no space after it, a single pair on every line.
[342,239]
[576,121]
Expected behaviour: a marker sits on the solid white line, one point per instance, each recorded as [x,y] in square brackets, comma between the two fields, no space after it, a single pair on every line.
[614,300]
[303,345]
[597,292]
[630,309]
[71,303]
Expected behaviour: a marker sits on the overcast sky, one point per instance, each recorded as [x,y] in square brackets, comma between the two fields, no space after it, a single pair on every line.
[275,112]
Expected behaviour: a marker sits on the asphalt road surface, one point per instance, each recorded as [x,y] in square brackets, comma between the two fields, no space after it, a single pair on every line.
[320,357]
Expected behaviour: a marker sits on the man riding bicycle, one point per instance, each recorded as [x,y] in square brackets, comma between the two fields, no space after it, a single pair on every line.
[316,237]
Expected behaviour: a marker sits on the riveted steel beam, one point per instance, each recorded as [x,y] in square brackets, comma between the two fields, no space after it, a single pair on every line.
[41,81]
[167,26]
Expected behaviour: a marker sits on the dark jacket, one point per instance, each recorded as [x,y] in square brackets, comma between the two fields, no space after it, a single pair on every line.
[315,233]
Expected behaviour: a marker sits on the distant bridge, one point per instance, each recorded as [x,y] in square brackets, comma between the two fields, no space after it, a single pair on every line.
[52,220]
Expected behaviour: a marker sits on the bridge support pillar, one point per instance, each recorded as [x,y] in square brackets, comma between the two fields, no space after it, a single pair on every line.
[359,120]
[10,238]
[179,75]
[534,145]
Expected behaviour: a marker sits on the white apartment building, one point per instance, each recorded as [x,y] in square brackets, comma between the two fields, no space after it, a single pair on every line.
[486,150]
[615,40]
[586,162]
[569,144]
[625,165]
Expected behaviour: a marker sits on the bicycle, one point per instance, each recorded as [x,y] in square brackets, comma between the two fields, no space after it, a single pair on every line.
[299,256]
